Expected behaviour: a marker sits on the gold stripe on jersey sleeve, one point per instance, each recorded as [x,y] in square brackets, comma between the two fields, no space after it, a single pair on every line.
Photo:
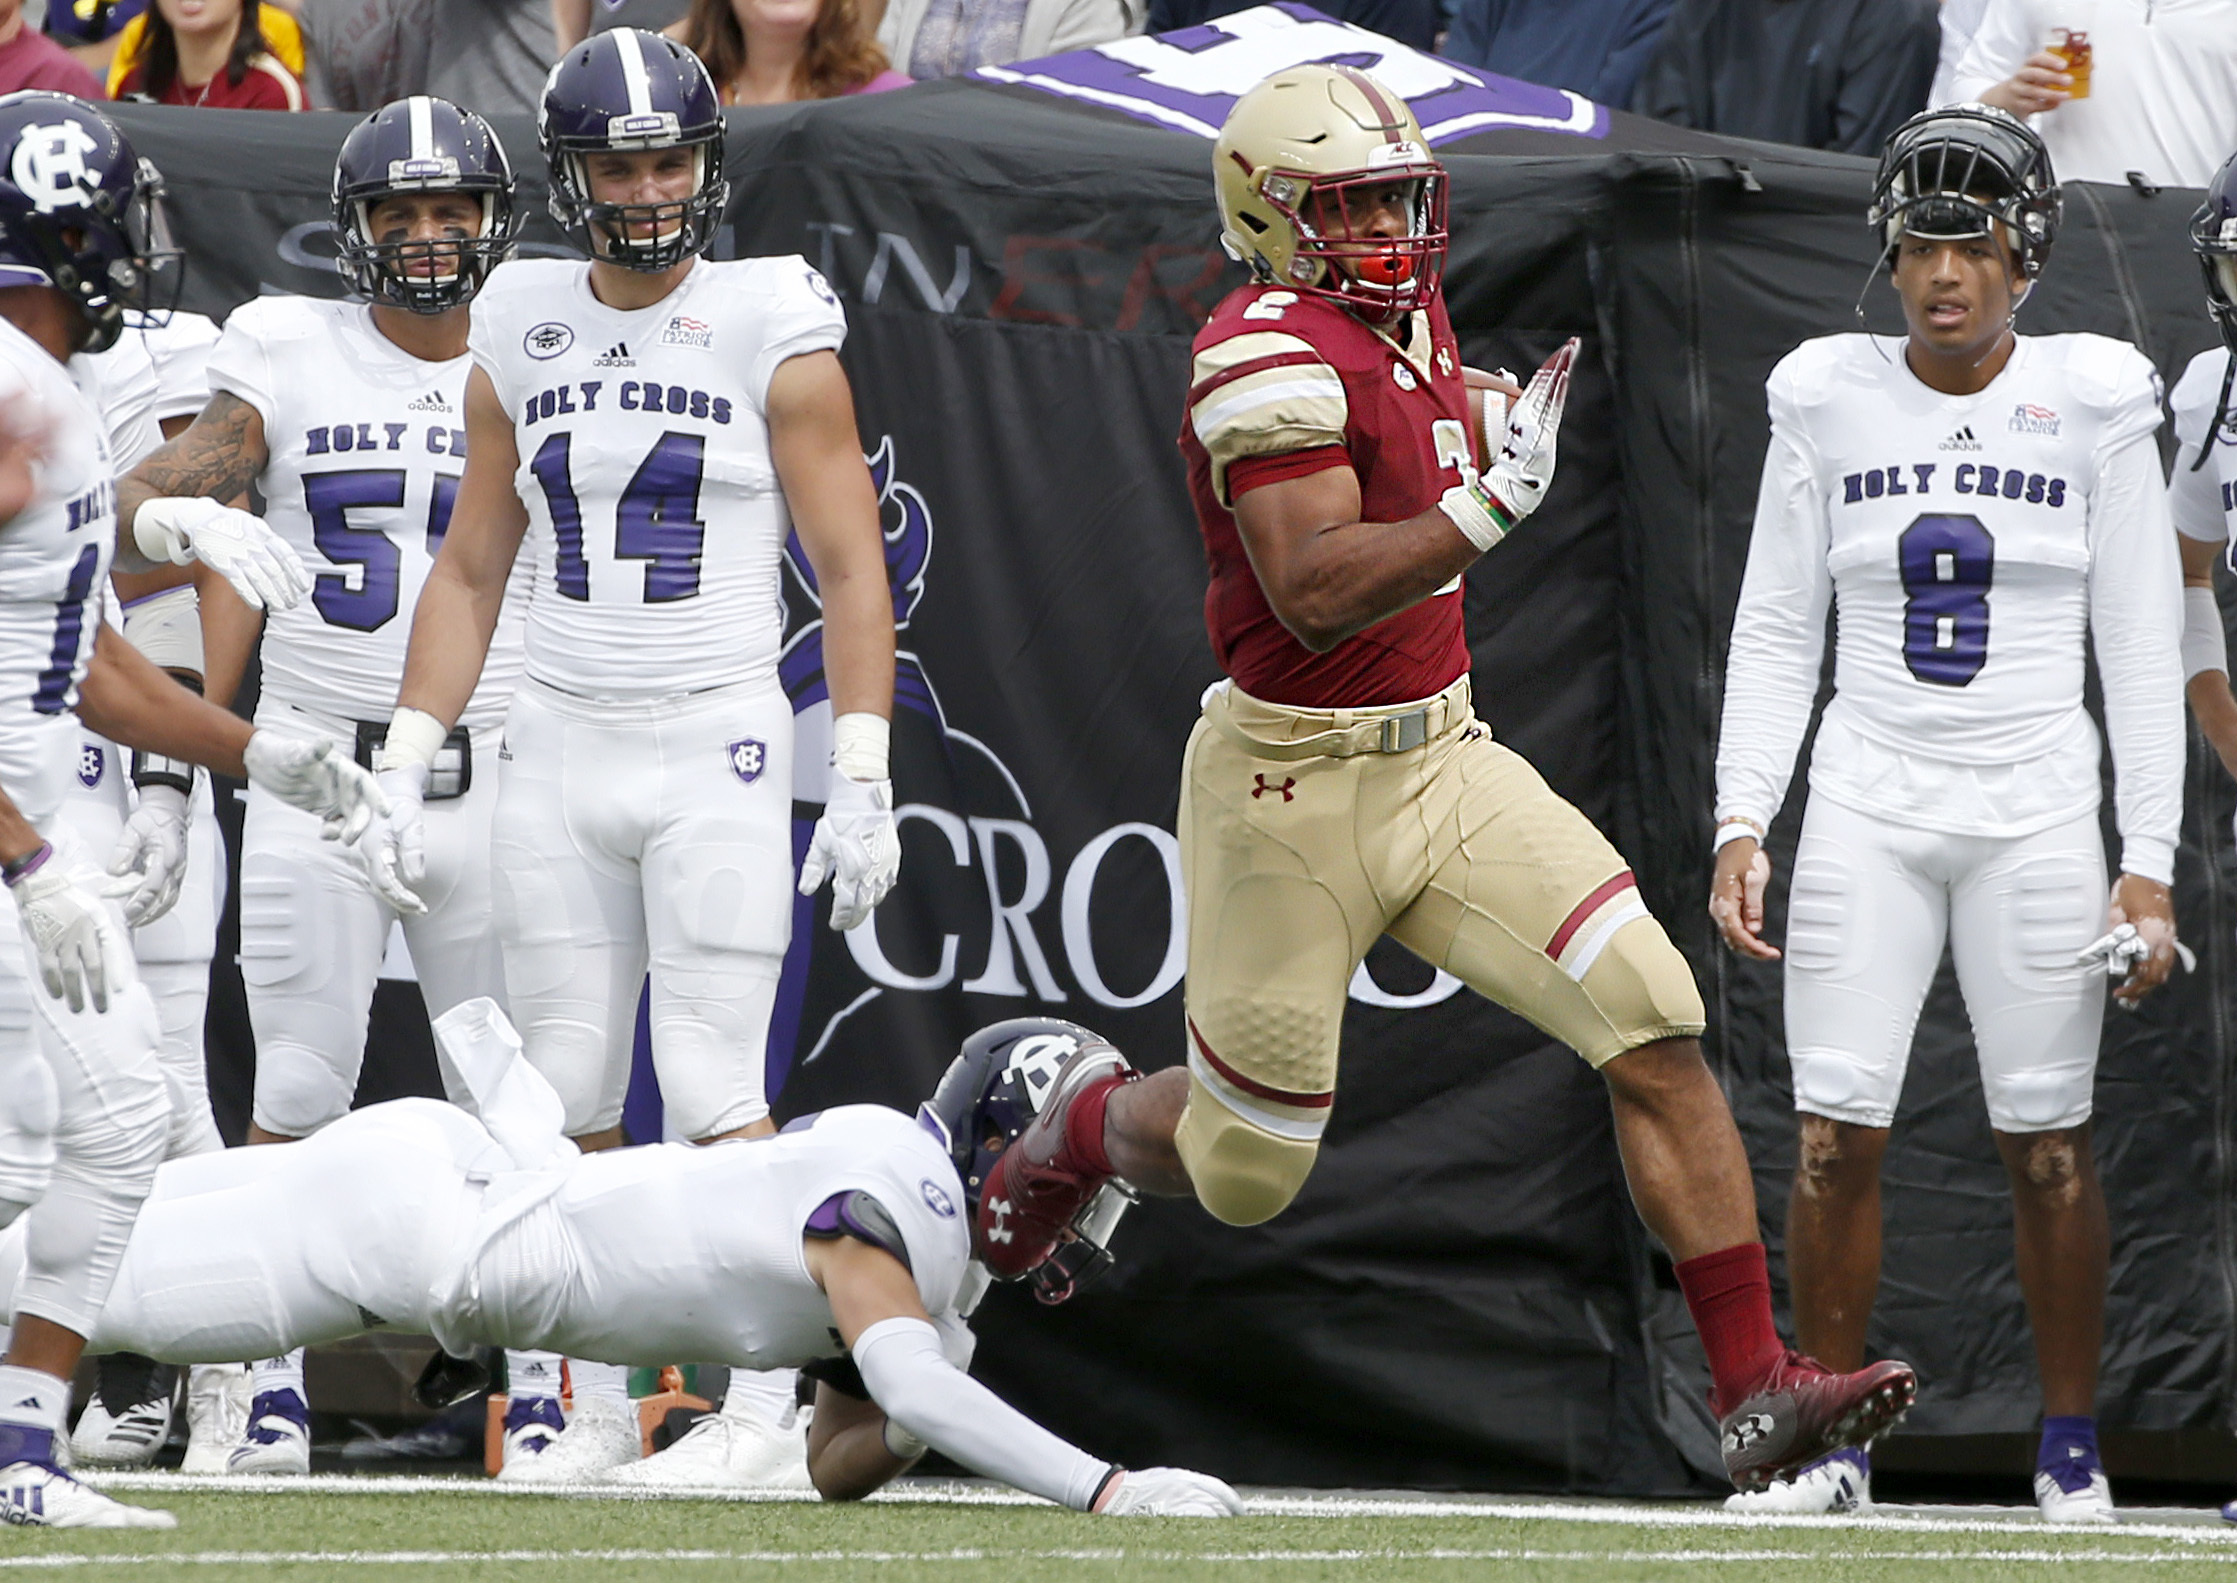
[1294,403]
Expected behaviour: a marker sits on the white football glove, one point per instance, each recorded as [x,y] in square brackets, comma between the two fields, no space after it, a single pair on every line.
[858,845]
[147,865]
[2118,953]
[1169,1492]
[394,847]
[1485,509]
[82,952]
[307,773]
[241,548]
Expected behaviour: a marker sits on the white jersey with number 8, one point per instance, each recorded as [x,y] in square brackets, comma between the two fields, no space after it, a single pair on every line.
[656,519]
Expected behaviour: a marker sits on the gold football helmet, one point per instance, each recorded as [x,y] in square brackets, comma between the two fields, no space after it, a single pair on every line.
[1305,163]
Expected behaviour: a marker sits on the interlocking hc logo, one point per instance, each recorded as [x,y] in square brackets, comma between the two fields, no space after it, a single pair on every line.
[1264,786]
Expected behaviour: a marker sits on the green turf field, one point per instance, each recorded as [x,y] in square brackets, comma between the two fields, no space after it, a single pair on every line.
[420,1529]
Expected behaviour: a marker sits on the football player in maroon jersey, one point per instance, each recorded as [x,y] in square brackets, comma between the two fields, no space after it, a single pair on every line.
[1339,787]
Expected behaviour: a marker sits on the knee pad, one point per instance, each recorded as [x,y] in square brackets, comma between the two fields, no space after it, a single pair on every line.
[710,1082]
[1644,989]
[1243,1173]
[299,1090]
[590,1079]
[27,1122]
[1835,1084]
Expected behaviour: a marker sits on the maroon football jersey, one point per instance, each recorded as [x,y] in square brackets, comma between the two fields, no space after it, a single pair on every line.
[1284,383]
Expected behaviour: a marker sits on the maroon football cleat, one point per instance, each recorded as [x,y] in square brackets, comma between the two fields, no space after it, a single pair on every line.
[1803,1411]
[1039,1185]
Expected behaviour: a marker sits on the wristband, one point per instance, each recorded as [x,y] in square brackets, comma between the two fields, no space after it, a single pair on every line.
[27,865]
[153,769]
[1105,1489]
[1732,830]
[414,737]
[861,746]
[1478,517]
[2205,646]
[901,1445]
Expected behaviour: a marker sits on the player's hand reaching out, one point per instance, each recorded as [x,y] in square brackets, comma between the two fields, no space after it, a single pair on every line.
[857,844]
[306,773]
[262,567]
[1736,897]
[2140,939]
[1168,1492]
[1486,508]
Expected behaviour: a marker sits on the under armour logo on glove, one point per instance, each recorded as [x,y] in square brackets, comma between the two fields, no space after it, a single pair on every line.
[1263,787]
[1000,1231]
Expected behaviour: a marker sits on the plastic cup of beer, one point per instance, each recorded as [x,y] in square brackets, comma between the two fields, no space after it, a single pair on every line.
[2071,45]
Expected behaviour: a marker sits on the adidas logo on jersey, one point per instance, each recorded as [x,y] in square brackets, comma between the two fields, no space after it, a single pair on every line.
[614,356]
[431,402]
[1962,440]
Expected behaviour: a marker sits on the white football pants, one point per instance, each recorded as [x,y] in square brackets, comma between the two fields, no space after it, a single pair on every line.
[85,1109]
[175,951]
[640,832]
[251,1253]
[313,933]
[1870,906]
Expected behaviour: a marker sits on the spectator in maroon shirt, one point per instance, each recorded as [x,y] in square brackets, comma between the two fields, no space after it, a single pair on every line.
[29,59]
[209,52]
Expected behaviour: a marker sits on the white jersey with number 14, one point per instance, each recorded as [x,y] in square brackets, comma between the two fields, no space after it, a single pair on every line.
[656,518]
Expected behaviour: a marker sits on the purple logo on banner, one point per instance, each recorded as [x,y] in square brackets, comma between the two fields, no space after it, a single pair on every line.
[1189,79]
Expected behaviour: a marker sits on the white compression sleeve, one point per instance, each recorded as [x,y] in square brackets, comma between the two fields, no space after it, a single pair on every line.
[2205,645]
[1778,632]
[2135,618]
[908,1375]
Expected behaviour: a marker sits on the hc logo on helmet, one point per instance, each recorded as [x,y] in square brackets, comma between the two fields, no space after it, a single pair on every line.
[1037,1060]
[49,166]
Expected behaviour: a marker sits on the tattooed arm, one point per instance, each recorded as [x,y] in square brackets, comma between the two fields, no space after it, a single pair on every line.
[218,457]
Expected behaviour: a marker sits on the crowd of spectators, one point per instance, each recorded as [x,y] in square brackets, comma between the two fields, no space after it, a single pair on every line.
[2156,104]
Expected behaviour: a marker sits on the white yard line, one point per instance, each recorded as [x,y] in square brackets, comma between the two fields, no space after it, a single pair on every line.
[407,1558]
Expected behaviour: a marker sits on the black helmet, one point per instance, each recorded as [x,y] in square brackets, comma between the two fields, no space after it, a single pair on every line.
[1965,170]
[2213,236]
[618,92]
[79,211]
[990,1094]
[421,144]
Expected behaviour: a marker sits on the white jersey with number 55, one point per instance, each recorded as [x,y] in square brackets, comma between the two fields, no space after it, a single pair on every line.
[656,519]
[1970,546]
[365,445]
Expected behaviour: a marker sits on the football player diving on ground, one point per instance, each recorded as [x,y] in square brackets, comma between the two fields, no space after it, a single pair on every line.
[1342,493]
[843,1246]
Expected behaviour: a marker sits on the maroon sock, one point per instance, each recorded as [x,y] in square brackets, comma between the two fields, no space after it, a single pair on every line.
[1083,1127]
[1729,1295]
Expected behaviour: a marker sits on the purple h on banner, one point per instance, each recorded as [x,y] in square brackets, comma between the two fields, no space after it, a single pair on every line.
[1188,80]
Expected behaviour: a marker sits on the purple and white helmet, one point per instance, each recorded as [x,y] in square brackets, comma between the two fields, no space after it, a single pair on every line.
[82,213]
[620,92]
[2213,237]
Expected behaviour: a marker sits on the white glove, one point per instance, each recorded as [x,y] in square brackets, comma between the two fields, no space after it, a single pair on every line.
[307,773]
[148,863]
[1169,1492]
[2117,953]
[394,847]
[1486,509]
[82,953]
[858,845]
[237,546]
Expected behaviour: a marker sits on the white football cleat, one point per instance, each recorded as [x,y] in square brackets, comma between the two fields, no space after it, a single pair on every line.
[1840,1485]
[532,1424]
[279,1437]
[601,1434]
[719,1452]
[41,1495]
[2090,1502]
[217,1415]
[128,1417]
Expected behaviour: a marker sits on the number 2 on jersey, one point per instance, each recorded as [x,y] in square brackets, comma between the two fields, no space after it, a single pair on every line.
[656,520]
[1947,564]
